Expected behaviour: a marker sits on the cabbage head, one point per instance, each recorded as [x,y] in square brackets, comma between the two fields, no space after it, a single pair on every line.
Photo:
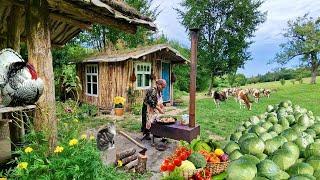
[283,158]
[290,134]
[244,137]
[253,146]
[234,155]
[314,161]
[301,168]
[231,146]
[241,169]
[270,170]
[313,150]
[304,140]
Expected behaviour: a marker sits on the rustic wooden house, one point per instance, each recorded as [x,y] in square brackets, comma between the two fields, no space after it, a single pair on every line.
[46,23]
[106,76]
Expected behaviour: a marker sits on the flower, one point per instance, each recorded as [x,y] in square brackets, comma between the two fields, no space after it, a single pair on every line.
[118,100]
[83,136]
[73,142]
[91,137]
[119,163]
[23,165]
[28,150]
[58,149]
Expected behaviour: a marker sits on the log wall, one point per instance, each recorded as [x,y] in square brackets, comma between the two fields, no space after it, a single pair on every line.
[114,80]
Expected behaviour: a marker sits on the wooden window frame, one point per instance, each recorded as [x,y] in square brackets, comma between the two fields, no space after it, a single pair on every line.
[143,73]
[94,66]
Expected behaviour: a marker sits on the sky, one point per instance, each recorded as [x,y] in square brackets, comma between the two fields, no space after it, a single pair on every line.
[267,38]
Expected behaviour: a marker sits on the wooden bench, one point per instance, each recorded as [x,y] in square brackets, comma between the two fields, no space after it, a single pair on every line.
[174,131]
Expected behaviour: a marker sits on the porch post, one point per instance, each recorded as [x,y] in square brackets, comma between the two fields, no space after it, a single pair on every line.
[39,54]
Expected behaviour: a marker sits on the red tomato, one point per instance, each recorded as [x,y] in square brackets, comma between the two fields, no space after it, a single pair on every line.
[177,162]
[183,156]
[166,161]
[170,167]
[163,167]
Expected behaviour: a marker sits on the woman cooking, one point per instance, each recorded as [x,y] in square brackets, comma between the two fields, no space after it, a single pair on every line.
[152,105]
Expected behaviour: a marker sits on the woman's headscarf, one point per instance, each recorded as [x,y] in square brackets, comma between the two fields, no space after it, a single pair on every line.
[161,82]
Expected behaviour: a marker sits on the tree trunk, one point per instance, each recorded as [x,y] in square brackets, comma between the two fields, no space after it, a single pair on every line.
[39,54]
[314,73]
[3,43]
[211,83]
[15,28]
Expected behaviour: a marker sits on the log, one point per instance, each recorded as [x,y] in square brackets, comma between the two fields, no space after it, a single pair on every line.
[142,164]
[131,165]
[126,153]
[39,54]
[129,159]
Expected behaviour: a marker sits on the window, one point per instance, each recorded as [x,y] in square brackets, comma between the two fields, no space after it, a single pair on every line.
[143,73]
[92,79]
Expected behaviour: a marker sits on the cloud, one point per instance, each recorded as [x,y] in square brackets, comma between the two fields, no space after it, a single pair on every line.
[267,37]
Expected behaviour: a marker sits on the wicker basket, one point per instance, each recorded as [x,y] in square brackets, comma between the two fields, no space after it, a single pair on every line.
[217,168]
[186,174]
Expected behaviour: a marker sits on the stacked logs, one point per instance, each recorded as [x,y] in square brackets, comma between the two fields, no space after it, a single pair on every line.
[129,160]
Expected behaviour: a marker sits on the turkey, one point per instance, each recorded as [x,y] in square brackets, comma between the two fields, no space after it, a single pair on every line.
[19,82]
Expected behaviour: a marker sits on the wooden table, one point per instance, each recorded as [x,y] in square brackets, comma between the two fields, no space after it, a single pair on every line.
[175,131]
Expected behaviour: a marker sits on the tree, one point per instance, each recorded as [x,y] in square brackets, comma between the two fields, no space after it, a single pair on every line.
[226,27]
[303,41]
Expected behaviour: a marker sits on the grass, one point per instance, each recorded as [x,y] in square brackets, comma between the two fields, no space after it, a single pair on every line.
[224,120]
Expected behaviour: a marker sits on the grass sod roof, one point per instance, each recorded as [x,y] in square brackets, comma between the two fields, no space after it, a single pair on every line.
[69,17]
[129,54]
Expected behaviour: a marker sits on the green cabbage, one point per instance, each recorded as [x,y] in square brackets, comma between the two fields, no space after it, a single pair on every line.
[284,123]
[316,128]
[270,170]
[273,134]
[198,160]
[257,129]
[291,119]
[283,158]
[304,121]
[301,168]
[231,146]
[252,146]
[277,128]
[272,145]
[313,150]
[311,132]
[266,125]
[254,120]
[234,155]
[299,128]
[314,161]
[265,136]
[235,136]
[292,148]
[250,158]
[241,169]
[290,134]
[261,156]
[273,120]
[303,177]
[304,140]
[246,136]
[270,108]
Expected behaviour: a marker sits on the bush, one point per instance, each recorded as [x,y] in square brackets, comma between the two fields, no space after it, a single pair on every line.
[293,81]
[136,108]
[282,81]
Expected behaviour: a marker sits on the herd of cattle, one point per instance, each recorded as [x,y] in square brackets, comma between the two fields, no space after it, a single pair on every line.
[240,95]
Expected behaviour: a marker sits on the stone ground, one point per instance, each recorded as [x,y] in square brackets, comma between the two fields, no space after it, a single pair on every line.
[155,157]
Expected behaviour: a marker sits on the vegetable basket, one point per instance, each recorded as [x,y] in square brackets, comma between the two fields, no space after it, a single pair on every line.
[217,168]
[187,174]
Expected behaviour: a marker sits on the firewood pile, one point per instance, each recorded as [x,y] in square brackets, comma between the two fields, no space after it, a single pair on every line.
[130,160]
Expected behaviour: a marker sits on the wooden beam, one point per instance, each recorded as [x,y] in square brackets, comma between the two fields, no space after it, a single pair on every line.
[17,108]
[70,21]
[15,28]
[94,17]
[39,54]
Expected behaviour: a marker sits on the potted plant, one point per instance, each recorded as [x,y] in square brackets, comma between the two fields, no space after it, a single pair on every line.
[118,105]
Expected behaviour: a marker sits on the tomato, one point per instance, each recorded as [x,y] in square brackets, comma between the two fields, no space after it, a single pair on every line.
[166,161]
[183,156]
[170,167]
[163,167]
[177,162]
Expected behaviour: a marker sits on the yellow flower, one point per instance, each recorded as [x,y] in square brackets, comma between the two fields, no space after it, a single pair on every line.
[91,137]
[83,136]
[28,150]
[23,165]
[58,149]
[119,163]
[75,120]
[73,142]
[119,100]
